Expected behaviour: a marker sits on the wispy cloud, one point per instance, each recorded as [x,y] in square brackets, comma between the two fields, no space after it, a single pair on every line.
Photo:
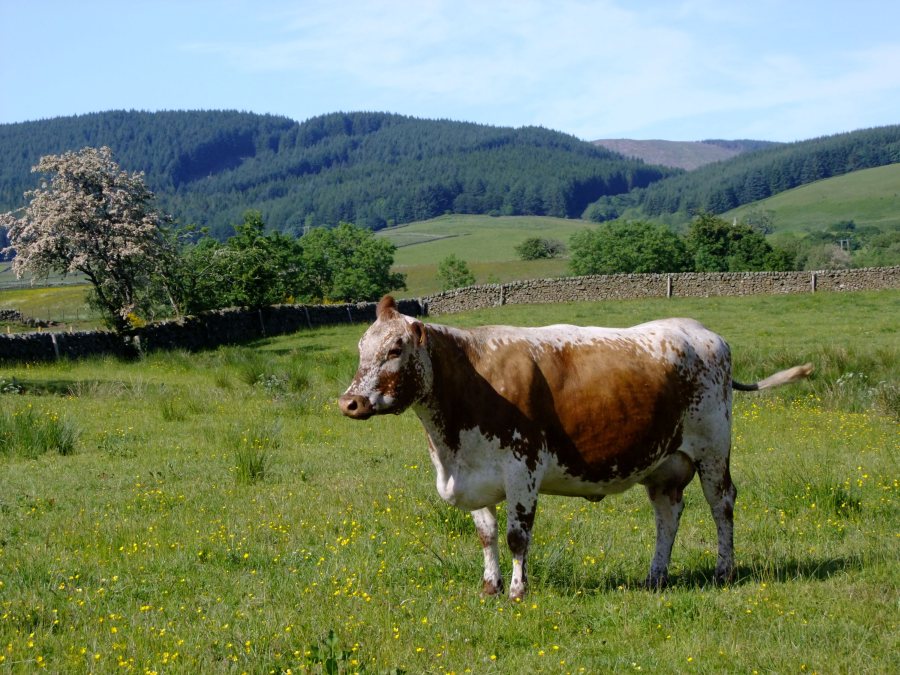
[639,68]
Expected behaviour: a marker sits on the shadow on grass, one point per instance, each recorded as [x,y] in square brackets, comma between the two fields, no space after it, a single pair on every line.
[778,570]
[77,388]
[768,571]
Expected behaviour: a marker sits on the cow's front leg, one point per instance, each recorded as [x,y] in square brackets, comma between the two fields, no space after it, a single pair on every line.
[520,520]
[486,525]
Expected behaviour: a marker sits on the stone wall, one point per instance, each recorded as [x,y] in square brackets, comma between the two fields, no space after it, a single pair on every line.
[204,331]
[236,325]
[634,286]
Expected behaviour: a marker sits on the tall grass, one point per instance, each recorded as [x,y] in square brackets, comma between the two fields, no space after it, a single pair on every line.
[252,448]
[28,433]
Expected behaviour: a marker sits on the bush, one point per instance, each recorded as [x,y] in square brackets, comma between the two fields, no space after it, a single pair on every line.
[537,248]
[454,273]
[633,247]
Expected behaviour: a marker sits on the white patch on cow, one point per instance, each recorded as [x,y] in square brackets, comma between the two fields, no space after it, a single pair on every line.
[472,477]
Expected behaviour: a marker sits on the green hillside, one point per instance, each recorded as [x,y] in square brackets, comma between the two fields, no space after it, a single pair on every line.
[868,197]
[487,244]
[753,176]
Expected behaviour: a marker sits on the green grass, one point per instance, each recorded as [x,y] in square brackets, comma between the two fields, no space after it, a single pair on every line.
[217,514]
[63,304]
[487,244]
[474,238]
[868,197]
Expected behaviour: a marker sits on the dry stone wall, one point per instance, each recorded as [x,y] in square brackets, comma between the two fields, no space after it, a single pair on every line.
[204,331]
[635,286]
[236,325]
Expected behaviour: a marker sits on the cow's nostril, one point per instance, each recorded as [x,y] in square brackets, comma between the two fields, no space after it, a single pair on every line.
[356,406]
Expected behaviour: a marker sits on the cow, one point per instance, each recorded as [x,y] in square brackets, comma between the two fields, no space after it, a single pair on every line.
[562,410]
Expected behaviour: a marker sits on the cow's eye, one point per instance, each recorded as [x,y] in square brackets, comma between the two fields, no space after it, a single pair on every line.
[394,353]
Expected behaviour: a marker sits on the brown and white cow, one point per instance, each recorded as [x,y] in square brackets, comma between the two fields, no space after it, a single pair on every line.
[563,410]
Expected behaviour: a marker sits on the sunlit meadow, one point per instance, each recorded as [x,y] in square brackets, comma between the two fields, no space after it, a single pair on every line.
[213,512]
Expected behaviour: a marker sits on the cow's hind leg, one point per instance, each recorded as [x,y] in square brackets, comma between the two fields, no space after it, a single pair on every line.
[665,487]
[521,505]
[486,525]
[720,493]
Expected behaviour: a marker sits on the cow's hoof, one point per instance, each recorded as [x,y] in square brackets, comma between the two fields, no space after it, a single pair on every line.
[656,582]
[491,588]
[723,577]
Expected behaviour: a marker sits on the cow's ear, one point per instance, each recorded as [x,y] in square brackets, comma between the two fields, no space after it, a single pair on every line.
[418,331]
[386,309]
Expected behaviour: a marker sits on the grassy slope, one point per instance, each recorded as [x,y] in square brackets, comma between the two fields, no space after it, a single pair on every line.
[869,197]
[487,244]
[142,551]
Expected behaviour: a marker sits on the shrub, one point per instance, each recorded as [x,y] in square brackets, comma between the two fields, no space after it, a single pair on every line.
[537,248]
[454,273]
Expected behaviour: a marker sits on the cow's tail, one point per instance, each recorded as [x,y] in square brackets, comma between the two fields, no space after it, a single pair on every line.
[776,380]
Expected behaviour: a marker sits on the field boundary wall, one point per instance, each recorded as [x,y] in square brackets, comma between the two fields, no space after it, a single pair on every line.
[236,325]
[636,286]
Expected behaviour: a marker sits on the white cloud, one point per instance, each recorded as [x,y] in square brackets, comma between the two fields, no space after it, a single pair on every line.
[594,69]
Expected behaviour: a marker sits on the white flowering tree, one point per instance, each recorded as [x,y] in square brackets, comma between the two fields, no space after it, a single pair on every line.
[93,218]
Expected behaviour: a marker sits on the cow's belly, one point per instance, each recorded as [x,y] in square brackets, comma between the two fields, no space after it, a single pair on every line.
[557,481]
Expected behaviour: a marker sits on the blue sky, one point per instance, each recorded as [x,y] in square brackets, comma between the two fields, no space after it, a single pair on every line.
[689,70]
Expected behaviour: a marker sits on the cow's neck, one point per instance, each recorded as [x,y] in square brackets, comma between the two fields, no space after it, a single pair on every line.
[457,396]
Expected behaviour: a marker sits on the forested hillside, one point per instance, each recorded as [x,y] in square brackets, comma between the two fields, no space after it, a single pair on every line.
[373,169]
[718,187]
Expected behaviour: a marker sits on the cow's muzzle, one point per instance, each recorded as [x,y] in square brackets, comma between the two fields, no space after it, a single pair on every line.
[356,406]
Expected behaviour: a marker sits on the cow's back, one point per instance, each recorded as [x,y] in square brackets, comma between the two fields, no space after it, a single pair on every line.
[609,402]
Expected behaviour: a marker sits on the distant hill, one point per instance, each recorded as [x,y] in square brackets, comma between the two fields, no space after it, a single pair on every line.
[688,155]
[753,176]
[487,244]
[373,169]
[870,197]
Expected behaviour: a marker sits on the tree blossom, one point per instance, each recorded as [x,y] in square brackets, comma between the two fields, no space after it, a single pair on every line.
[96,219]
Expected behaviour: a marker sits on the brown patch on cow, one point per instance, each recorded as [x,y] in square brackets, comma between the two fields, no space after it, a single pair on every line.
[491,588]
[487,538]
[517,540]
[526,517]
[595,406]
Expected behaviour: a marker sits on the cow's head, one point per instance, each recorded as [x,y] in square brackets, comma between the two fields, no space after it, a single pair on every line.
[394,365]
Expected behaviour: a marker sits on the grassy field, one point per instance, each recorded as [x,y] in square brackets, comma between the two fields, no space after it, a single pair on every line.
[56,299]
[487,244]
[869,197]
[213,512]
[64,304]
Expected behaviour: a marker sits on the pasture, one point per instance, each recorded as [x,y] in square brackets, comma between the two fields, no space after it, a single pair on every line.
[486,243]
[868,197]
[213,512]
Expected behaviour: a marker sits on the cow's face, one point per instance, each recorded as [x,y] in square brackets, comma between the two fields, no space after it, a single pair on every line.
[392,371]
